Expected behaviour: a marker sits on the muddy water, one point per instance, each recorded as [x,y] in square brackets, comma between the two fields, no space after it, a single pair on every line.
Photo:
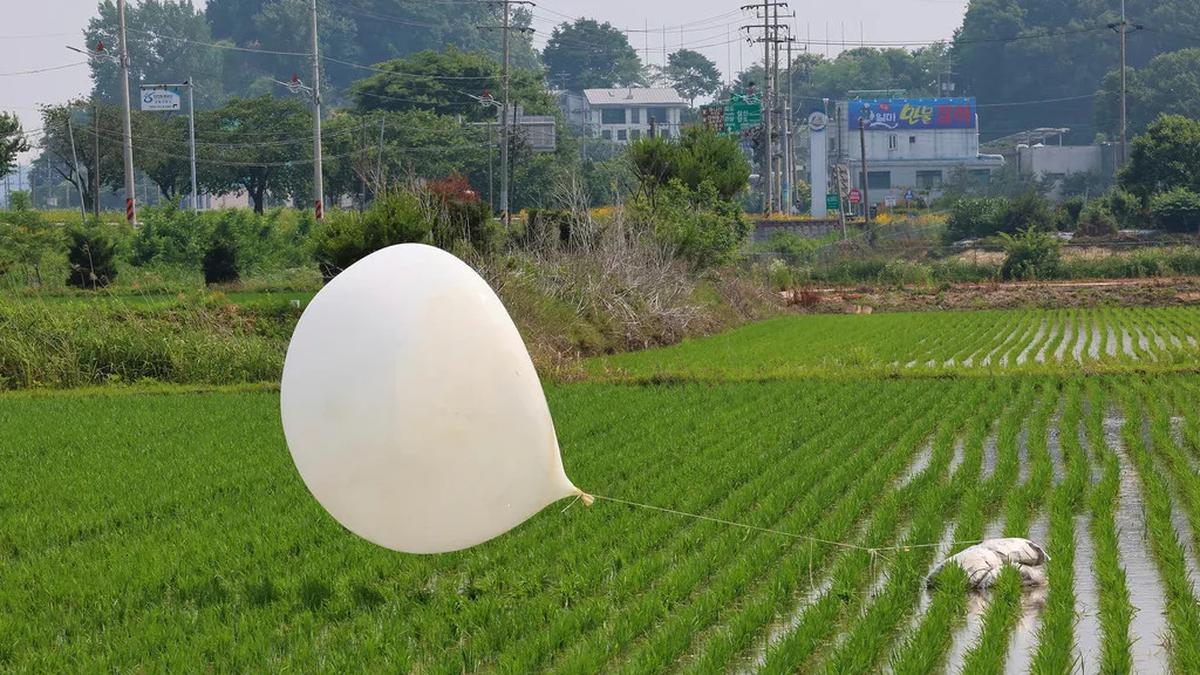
[1144,344]
[1111,345]
[1024,355]
[990,451]
[1149,624]
[919,464]
[918,615]
[1023,643]
[1054,448]
[1094,345]
[1159,342]
[1041,355]
[987,360]
[1087,600]
[967,634]
[1127,344]
[959,454]
[1068,335]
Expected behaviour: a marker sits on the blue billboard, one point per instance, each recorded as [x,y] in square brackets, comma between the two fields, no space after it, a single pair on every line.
[912,114]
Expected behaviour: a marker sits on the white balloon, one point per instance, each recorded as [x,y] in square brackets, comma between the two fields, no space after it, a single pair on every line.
[412,409]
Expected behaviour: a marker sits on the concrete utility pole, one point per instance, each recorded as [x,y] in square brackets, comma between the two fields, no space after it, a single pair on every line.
[192,142]
[862,139]
[318,180]
[506,27]
[1122,27]
[770,29]
[127,132]
[74,164]
[96,158]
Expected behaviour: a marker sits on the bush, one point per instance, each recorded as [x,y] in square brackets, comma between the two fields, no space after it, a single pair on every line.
[793,248]
[1125,207]
[699,226]
[1030,211]
[1030,255]
[345,237]
[91,255]
[1176,211]
[1068,213]
[220,264]
[973,217]
[904,272]
[1096,221]
[462,216]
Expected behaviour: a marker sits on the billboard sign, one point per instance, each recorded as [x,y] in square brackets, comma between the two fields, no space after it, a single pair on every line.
[161,99]
[910,114]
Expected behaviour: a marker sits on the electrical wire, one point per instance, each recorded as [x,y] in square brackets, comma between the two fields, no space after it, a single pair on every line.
[43,70]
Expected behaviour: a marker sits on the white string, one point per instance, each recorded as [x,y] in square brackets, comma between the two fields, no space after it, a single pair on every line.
[872,550]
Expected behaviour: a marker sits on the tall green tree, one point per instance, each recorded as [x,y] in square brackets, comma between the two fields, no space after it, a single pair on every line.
[12,142]
[261,145]
[1166,157]
[692,74]
[587,54]
[165,45]
[80,118]
[1169,84]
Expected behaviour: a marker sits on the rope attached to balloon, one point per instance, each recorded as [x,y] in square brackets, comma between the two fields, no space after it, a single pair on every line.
[589,499]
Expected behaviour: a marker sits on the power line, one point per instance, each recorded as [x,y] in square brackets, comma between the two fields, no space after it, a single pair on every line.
[44,70]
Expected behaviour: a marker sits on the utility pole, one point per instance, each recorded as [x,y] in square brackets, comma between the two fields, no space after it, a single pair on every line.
[127,132]
[74,164]
[96,157]
[192,142]
[318,181]
[505,133]
[862,139]
[770,29]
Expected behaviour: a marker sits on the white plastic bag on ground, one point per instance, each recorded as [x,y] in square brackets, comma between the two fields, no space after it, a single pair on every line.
[984,562]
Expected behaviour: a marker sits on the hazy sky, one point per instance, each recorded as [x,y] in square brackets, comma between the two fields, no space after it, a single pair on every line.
[37,30]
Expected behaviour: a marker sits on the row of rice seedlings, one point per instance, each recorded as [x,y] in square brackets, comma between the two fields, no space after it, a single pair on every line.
[1185,483]
[936,353]
[1183,610]
[1115,609]
[755,614]
[986,329]
[805,642]
[990,651]
[1056,648]
[679,631]
[930,638]
[733,490]
[777,508]
[874,632]
[1004,609]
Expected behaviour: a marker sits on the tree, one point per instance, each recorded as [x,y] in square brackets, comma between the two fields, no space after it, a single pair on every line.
[701,156]
[692,74]
[164,152]
[166,44]
[1167,156]
[444,82]
[1169,84]
[261,145]
[82,118]
[12,142]
[590,55]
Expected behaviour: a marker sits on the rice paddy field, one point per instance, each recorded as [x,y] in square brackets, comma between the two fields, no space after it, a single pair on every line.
[169,531]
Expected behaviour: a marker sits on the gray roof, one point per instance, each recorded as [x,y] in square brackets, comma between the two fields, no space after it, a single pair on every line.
[664,96]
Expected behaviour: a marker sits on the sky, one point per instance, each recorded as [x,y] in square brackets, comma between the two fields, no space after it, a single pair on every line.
[37,32]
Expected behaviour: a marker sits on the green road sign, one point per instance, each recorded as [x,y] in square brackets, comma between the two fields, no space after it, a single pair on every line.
[832,202]
[740,115]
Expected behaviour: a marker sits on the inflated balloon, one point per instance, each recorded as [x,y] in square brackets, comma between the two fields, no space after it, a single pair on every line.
[412,409]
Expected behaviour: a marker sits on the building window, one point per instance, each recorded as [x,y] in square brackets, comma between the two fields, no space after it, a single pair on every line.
[606,134]
[621,135]
[612,116]
[912,140]
[635,134]
[892,142]
[929,180]
[879,180]
[635,115]
[659,115]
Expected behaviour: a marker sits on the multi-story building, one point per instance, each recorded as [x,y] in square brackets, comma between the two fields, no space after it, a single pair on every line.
[627,113]
[911,145]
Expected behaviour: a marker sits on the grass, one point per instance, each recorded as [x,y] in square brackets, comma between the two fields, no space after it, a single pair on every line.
[165,528]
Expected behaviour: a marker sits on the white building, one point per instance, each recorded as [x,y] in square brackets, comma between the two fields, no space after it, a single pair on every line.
[911,145]
[625,114]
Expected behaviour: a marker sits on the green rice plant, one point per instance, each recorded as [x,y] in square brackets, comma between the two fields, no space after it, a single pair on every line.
[924,651]
[1183,609]
[1004,609]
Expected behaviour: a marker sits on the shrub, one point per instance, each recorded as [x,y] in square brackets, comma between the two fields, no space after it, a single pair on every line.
[396,217]
[796,250]
[699,226]
[462,216]
[902,272]
[1096,221]
[220,264]
[1030,211]
[974,217]
[1068,213]
[1177,210]
[1125,207]
[91,255]
[1030,255]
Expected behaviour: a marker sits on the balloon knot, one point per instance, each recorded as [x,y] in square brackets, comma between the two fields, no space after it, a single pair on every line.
[587,499]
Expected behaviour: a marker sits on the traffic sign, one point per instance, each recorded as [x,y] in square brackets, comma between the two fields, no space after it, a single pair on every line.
[740,115]
[908,196]
[714,117]
[833,202]
[889,201]
[855,196]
